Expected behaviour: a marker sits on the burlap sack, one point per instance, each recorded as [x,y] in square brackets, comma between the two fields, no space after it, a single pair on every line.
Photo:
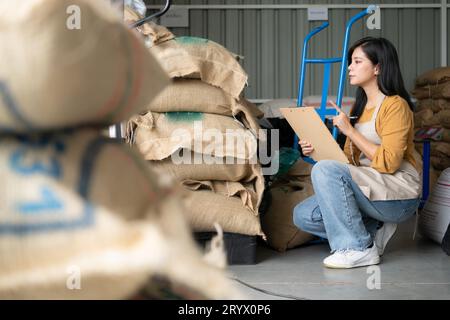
[204,208]
[440,149]
[425,118]
[72,217]
[435,105]
[440,162]
[277,222]
[430,91]
[197,58]
[52,76]
[433,174]
[201,171]
[154,32]
[250,193]
[248,175]
[198,96]
[433,150]
[300,169]
[434,76]
[160,135]
[444,135]
[444,118]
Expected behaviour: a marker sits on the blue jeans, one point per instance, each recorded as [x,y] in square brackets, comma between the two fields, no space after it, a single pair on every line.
[341,213]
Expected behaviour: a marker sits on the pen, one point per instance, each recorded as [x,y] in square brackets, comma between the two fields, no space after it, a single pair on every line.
[353,117]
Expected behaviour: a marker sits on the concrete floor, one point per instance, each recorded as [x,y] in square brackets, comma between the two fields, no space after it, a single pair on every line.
[410,269]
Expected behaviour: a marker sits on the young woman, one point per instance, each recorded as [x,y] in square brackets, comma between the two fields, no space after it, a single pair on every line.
[382,183]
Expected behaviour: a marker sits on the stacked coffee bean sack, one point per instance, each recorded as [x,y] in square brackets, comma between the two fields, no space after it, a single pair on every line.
[202,133]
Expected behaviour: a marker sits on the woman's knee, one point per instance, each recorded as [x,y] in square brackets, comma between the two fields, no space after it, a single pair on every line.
[328,169]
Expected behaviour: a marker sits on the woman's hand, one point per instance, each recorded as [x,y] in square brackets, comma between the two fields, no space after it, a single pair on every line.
[307,148]
[342,121]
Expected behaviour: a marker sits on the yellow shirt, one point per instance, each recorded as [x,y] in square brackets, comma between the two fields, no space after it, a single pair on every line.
[395,126]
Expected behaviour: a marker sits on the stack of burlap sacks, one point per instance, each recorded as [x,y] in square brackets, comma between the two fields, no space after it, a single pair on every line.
[433,110]
[203,133]
[82,215]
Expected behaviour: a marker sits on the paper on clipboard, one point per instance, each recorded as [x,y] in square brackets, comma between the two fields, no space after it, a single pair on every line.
[308,126]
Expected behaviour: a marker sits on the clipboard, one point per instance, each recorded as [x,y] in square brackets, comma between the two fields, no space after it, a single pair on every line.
[308,126]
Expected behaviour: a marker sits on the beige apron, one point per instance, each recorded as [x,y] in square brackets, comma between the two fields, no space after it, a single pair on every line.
[404,184]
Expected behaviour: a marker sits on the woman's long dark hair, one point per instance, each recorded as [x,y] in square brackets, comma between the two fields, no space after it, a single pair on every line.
[390,81]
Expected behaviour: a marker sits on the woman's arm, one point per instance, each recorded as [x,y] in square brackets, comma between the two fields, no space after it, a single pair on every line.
[366,147]
[343,123]
[394,125]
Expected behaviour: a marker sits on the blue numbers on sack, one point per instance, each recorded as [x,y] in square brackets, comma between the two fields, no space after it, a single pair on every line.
[20,165]
[50,166]
[36,156]
[48,202]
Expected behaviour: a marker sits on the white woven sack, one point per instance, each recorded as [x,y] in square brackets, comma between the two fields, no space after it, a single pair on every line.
[435,216]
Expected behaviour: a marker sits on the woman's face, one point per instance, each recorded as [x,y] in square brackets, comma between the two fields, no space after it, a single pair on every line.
[361,71]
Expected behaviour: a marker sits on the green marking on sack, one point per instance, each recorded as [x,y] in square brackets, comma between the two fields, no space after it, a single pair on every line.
[287,158]
[191,40]
[184,116]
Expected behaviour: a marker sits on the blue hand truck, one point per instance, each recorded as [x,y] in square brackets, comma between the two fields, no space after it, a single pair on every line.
[323,111]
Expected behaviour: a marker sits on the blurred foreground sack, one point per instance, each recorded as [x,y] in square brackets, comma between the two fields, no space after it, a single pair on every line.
[84,211]
[67,63]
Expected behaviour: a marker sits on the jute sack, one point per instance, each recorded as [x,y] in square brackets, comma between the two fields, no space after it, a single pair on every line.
[72,216]
[197,58]
[440,149]
[160,135]
[425,118]
[433,174]
[444,135]
[434,76]
[217,170]
[277,222]
[440,162]
[444,118]
[435,105]
[244,180]
[54,76]
[430,91]
[204,208]
[198,96]
[300,169]
[249,193]
[155,33]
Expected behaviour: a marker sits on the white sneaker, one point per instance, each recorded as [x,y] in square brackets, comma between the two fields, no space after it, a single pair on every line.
[383,235]
[351,258]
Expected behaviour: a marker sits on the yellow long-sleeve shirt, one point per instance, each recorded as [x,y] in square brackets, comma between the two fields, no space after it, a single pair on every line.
[395,126]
